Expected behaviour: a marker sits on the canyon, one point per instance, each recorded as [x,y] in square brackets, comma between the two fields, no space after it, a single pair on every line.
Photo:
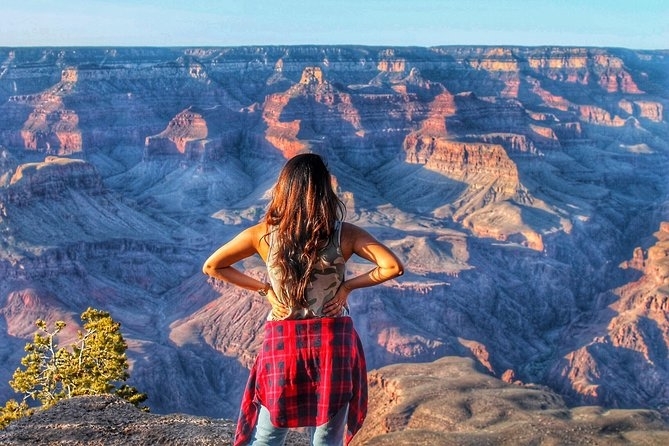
[524,188]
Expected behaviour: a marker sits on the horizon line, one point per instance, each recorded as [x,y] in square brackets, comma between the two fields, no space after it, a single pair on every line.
[278,45]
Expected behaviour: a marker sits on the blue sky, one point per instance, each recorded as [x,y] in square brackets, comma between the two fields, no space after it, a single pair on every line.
[636,24]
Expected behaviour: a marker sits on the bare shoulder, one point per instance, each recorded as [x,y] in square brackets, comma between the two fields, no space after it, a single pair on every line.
[349,231]
[258,230]
[258,234]
[352,235]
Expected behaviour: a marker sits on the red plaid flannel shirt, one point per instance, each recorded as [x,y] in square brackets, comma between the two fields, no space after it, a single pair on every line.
[306,371]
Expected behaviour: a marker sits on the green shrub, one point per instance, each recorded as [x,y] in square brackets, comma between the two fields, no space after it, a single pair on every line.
[94,364]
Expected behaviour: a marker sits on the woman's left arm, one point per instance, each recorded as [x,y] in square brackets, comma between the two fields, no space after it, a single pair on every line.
[245,244]
[219,264]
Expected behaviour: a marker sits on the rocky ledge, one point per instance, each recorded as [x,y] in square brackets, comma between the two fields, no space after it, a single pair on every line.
[449,402]
[445,402]
[110,421]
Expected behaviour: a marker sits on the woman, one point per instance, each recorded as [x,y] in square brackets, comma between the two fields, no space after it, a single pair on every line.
[311,368]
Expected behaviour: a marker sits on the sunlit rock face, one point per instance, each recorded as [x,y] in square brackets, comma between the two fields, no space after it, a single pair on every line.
[449,401]
[633,336]
[525,189]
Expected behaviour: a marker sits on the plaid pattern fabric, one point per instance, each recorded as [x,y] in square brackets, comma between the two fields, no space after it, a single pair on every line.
[306,371]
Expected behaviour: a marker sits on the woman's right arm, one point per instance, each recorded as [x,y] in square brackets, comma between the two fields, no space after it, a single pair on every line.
[356,240]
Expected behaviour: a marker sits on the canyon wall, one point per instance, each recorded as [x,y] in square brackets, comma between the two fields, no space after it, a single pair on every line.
[525,189]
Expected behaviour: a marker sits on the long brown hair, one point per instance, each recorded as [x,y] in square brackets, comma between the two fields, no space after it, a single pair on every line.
[303,212]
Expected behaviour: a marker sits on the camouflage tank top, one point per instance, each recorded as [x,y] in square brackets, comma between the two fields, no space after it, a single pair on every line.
[327,276]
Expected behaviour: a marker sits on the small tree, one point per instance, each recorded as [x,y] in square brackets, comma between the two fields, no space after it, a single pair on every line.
[92,365]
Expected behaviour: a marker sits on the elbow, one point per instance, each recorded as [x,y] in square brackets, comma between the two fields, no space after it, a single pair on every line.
[213,270]
[399,269]
[394,270]
[207,269]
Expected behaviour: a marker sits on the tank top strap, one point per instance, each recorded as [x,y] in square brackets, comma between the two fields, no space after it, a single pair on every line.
[338,225]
